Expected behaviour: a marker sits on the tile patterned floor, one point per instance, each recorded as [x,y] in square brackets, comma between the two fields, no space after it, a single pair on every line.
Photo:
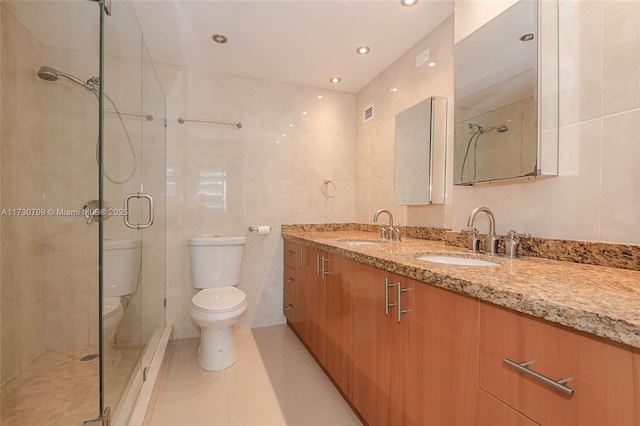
[57,389]
[274,381]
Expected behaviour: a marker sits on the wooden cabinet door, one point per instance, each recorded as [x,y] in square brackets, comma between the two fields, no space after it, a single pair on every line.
[313,304]
[599,372]
[380,349]
[444,339]
[338,353]
[493,412]
[636,382]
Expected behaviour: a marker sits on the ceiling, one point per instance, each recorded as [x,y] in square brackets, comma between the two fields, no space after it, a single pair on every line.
[295,41]
[303,42]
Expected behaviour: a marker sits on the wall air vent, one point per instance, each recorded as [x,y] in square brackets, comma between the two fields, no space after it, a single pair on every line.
[367,113]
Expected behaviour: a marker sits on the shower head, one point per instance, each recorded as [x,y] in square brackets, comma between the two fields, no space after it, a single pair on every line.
[479,129]
[48,73]
[501,129]
[52,74]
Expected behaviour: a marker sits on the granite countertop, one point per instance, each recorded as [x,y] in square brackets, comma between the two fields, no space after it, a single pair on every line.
[595,299]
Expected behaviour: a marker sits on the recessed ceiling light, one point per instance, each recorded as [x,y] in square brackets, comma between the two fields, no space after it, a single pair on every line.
[432,64]
[363,50]
[320,96]
[408,3]
[219,38]
[304,112]
[335,80]
[393,89]
[527,37]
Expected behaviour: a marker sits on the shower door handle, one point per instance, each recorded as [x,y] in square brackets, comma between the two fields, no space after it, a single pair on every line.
[138,226]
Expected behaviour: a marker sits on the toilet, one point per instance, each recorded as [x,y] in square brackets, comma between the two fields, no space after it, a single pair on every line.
[215,271]
[121,271]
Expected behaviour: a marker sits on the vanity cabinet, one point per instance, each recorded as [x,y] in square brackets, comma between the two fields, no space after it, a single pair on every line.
[338,358]
[313,304]
[380,348]
[419,369]
[295,267]
[598,372]
[442,362]
[322,314]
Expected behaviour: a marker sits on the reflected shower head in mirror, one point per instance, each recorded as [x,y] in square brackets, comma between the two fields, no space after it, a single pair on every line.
[501,129]
[478,128]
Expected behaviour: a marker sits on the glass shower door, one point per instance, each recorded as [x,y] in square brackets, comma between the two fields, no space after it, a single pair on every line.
[133,188]
[50,51]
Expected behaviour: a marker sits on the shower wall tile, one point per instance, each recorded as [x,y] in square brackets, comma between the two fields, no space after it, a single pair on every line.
[221,180]
[21,238]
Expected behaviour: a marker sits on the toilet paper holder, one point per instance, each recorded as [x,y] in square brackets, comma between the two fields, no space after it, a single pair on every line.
[260,229]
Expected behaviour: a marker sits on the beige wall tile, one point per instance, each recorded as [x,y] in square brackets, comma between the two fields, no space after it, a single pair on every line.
[22,273]
[620,221]
[375,139]
[581,61]
[222,179]
[621,56]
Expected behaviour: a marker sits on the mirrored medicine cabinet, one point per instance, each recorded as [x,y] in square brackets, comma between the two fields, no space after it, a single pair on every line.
[420,146]
[506,97]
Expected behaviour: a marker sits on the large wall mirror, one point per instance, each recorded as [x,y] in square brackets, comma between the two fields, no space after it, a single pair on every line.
[420,146]
[506,97]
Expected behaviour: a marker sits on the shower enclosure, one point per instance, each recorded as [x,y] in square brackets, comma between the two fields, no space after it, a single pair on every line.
[82,169]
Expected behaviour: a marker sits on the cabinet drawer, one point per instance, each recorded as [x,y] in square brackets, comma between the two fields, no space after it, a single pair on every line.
[288,307]
[493,412]
[290,280]
[599,372]
[291,253]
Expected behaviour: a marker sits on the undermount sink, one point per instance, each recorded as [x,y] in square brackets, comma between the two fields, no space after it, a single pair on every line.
[359,242]
[454,260]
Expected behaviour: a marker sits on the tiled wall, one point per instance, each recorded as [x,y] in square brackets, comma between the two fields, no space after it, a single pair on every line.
[595,197]
[22,237]
[375,146]
[222,179]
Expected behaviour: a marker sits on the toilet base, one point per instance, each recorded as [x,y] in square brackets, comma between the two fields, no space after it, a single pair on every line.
[217,349]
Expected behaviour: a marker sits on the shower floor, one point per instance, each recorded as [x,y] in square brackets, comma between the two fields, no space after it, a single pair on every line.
[57,389]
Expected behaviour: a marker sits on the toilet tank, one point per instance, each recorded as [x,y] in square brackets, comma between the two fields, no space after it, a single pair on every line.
[120,266]
[215,261]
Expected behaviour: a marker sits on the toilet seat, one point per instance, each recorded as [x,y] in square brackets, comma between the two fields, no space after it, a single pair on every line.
[219,299]
[110,306]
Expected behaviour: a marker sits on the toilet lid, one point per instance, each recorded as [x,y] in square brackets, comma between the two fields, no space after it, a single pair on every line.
[218,299]
[110,306]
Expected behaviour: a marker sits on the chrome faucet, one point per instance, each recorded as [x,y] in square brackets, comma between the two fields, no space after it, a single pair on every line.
[394,233]
[492,240]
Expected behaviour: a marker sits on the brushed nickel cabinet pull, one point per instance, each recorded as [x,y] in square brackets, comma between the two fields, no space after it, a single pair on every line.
[324,266]
[302,252]
[387,305]
[556,384]
[400,310]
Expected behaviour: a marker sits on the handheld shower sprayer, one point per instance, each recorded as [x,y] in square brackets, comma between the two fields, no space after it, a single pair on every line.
[93,85]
